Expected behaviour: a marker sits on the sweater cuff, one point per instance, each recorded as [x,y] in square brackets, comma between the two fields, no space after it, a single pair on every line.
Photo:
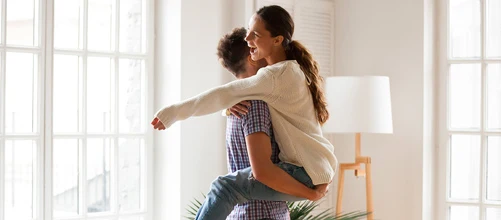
[165,116]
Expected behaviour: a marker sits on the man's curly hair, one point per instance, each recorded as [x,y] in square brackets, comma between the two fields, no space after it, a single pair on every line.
[232,51]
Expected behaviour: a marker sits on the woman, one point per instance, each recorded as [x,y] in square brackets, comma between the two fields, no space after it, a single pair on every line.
[291,86]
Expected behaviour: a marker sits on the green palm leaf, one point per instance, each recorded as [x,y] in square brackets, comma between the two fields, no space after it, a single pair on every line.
[302,211]
[298,211]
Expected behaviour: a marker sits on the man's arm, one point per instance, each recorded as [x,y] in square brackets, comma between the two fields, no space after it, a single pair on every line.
[259,149]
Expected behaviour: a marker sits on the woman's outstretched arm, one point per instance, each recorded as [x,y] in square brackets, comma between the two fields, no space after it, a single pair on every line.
[258,87]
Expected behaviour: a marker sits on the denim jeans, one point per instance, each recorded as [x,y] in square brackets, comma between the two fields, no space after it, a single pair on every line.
[239,187]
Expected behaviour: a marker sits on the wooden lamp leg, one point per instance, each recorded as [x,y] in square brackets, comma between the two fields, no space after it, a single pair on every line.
[368,185]
[340,190]
[358,173]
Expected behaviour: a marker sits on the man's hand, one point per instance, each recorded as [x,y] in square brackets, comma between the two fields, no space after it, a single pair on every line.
[241,108]
[320,191]
[157,124]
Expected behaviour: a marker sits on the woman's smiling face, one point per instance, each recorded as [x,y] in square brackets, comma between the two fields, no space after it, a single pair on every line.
[259,39]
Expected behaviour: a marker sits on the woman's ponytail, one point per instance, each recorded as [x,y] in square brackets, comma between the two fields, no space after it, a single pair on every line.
[296,51]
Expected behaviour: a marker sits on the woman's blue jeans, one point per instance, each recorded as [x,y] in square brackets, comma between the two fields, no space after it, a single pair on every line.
[240,186]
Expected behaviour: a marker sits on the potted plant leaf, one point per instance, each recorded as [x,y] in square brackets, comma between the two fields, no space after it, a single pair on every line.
[298,211]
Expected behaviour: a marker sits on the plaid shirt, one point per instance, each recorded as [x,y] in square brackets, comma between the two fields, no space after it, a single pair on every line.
[258,119]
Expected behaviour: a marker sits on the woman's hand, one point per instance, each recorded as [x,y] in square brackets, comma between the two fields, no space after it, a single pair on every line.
[239,109]
[157,124]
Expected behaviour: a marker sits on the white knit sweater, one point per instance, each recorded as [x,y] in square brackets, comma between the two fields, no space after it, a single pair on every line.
[297,131]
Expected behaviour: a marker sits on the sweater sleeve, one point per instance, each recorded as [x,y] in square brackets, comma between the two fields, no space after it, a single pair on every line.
[258,87]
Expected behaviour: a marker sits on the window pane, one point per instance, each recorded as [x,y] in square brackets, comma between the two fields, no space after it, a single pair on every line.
[129,176]
[21,102]
[464,28]
[494,96]
[493,214]
[68,24]
[131,95]
[494,169]
[100,90]
[98,174]
[463,213]
[19,182]
[67,94]
[21,26]
[464,97]
[66,169]
[493,23]
[101,24]
[131,26]
[464,167]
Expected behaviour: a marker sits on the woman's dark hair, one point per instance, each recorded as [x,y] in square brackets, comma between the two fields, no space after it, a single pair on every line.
[233,51]
[278,22]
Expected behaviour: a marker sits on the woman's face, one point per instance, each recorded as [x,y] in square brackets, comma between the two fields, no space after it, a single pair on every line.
[259,39]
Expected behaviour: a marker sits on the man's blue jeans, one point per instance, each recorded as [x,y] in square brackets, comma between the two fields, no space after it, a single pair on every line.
[239,187]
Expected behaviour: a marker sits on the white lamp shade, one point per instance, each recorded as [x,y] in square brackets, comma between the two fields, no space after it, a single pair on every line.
[358,104]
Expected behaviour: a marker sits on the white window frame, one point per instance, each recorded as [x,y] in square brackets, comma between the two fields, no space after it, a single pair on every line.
[43,174]
[445,61]
[36,136]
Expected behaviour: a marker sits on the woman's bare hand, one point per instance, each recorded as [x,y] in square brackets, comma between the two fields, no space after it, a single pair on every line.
[157,124]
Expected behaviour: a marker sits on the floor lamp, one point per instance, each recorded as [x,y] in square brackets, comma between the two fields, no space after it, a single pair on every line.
[358,104]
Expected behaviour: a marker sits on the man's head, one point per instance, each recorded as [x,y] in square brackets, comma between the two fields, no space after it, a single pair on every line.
[234,54]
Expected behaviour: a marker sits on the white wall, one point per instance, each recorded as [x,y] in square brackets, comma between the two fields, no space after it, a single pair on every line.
[167,152]
[190,154]
[393,38]
[202,139]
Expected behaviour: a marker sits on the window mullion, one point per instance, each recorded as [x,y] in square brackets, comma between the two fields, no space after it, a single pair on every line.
[488,61]
[3,23]
[483,137]
[2,68]
[38,155]
[46,170]
[2,105]
[483,175]
[114,179]
[85,24]
[117,28]
[2,180]
[83,158]
[2,108]
[483,27]
[103,54]
[21,49]
[38,178]
[37,39]
[116,135]
[114,198]
[83,181]
[114,108]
